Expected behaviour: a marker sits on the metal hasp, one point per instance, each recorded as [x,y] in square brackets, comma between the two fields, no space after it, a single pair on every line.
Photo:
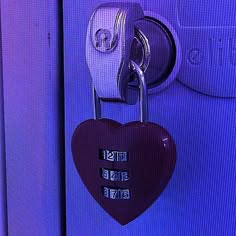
[109,39]
[118,33]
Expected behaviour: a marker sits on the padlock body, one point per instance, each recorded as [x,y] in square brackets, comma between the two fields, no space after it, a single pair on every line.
[124,167]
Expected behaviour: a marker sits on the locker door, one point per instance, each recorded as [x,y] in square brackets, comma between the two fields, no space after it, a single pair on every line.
[3,203]
[198,109]
[33,113]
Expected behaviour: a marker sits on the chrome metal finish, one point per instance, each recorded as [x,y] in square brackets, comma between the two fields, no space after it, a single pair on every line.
[96,105]
[143,100]
[103,41]
[105,35]
[119,32]
[140,50]
[109,38]
[155,47]
[116,194]
[143,96]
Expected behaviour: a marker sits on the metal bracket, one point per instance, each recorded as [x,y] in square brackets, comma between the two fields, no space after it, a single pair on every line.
[118,33]
[109,40]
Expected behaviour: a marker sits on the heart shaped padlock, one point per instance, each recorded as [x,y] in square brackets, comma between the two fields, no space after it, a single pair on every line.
[124,167]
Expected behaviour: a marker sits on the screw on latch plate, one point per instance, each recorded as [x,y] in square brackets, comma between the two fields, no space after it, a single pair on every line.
[104,41]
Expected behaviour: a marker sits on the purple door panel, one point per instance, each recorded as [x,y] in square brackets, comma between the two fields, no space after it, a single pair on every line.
[32,90]
[198,109]
[3,203]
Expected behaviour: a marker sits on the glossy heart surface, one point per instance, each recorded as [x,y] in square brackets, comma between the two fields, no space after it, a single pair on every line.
[124,167]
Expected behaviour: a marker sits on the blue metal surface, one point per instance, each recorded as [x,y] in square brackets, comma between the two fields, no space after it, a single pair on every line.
[3,195]
[32,122]
[201,197]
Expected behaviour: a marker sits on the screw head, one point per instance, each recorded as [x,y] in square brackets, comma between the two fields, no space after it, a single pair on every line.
[104,41]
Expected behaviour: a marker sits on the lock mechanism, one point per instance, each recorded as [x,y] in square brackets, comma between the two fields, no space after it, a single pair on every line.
[118,33]
[127,53]
[143,100]
[125,167]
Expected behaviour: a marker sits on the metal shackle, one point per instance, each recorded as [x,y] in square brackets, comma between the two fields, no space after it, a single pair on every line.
[143,95]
